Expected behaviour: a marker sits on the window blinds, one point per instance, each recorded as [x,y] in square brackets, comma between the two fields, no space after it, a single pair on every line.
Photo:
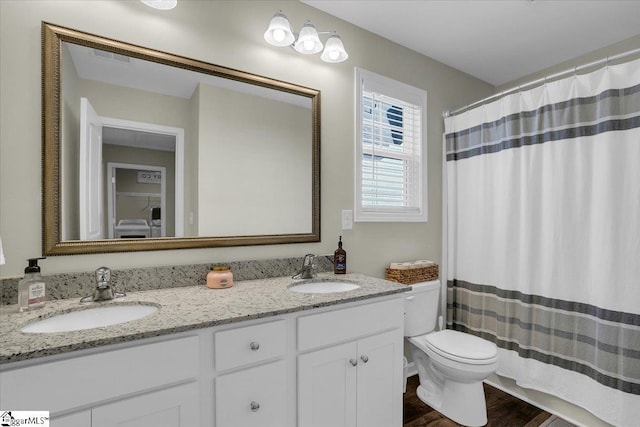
[389,150]
[390,153]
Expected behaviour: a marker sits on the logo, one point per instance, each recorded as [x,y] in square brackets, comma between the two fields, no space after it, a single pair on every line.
[24,418]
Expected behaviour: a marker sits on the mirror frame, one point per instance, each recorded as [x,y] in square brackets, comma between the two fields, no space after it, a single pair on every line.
[52,38]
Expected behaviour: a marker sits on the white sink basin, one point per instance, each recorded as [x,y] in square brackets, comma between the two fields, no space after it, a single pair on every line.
[323,287]
[97,317]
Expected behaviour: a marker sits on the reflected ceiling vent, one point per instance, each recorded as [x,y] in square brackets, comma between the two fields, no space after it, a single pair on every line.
[110,55]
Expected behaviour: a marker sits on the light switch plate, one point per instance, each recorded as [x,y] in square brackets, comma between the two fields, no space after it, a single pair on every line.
[347,219]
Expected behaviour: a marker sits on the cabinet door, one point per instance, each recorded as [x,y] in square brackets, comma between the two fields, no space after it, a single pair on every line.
[379,384]
[77,419]
[327,387]
[252,397]
[172,407]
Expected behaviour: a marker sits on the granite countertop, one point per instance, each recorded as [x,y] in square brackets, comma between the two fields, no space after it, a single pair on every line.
[181,309]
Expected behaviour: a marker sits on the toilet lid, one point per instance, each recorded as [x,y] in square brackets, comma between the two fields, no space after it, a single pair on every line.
[454,344]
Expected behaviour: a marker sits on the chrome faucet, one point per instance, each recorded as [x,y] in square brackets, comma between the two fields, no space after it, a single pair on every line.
[103,291]
[308,270]
[103,277]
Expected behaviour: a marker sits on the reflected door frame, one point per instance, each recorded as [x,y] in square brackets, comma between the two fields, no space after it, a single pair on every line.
[178,133]
[90,172]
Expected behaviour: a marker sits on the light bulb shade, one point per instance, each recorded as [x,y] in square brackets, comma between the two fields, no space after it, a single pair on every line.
[161,4]
[334,50]
[279,32]
[308,41]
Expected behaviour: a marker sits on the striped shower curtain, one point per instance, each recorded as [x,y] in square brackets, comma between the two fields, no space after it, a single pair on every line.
[543,236]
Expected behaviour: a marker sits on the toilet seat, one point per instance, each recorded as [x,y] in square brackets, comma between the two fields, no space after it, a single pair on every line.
[461,347]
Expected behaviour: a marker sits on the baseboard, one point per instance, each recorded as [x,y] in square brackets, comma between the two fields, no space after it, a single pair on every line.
[545,408]
[555,421]
[410,370]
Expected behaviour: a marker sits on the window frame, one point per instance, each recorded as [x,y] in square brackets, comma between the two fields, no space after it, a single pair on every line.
[367,81]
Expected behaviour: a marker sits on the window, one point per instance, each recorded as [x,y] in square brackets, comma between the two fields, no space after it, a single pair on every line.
[390,150]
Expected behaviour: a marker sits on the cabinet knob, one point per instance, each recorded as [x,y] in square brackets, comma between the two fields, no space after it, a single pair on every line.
[353,362]
[364,358]
[255,406]
[254,345]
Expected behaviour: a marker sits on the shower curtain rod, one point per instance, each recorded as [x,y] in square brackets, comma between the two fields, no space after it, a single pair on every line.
[605,60]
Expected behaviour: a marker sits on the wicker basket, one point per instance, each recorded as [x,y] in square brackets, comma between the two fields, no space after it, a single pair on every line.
[409,276]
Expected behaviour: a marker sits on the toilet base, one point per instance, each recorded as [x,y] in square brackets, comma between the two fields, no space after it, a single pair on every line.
[463,403]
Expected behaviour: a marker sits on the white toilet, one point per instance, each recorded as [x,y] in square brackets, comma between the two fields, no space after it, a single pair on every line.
[451,364]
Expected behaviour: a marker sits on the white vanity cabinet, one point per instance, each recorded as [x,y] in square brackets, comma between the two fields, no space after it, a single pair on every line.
[252,397]
[142,377]
[241,347]
[355,378]
[176,406]
[339,365]
[254,393]
[77,419]
[172,407]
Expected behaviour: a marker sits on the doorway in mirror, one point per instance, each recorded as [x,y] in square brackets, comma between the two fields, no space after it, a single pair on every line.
[137,196]
[139,156]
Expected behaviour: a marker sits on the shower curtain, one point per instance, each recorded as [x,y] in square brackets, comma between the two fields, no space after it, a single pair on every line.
[543,236]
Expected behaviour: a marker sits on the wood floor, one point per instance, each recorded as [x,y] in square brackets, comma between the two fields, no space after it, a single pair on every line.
[503,410]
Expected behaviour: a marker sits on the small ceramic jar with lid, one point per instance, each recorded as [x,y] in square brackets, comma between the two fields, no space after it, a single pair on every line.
[220,277]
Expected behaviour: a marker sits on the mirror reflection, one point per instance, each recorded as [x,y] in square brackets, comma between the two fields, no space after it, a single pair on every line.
[153,149]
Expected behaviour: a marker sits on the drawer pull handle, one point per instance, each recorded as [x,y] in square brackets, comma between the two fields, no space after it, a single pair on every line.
[364,358]
[354,362]
[254,346]
[255,406]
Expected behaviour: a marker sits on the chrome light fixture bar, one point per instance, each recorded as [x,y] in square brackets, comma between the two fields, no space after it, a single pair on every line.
[307,41]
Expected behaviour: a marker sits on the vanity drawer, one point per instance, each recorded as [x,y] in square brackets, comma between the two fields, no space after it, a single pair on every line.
[318,330]
[243,346]
[252,397]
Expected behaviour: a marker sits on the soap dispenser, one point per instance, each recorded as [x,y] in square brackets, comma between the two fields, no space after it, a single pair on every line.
[31,289]
[340,259]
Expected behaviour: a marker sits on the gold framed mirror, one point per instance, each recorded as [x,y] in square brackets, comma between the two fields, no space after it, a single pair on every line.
[147,150]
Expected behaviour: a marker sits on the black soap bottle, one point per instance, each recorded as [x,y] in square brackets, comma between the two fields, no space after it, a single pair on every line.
[340,259]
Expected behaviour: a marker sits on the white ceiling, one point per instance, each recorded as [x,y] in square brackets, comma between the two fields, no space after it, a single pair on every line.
[496,41]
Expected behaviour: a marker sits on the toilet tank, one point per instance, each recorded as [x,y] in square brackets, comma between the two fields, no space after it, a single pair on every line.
[421,308]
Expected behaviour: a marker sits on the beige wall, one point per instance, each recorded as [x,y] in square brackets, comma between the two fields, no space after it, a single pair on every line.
[231,34]
[119,102]
[255,168]
[627,45]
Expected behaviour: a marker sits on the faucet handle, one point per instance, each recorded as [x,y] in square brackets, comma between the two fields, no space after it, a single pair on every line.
[308,267]
[103,275]
[308,259]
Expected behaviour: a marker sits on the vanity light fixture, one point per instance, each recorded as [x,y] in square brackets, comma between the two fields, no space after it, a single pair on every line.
[161,4]
[307,41]
[334,49]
